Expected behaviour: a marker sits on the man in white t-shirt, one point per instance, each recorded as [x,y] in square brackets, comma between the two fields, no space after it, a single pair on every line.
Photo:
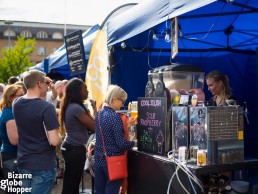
[51,95]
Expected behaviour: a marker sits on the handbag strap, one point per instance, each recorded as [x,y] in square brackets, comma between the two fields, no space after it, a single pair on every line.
[103,142]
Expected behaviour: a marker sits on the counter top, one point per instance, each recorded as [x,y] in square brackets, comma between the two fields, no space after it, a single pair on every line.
[246,164]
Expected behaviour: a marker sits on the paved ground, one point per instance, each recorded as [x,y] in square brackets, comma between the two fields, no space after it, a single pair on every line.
[84,188]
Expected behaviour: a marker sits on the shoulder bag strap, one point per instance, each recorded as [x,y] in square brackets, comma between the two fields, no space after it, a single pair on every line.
[103,142]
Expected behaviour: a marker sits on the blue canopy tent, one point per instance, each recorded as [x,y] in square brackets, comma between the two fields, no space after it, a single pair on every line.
[220,35]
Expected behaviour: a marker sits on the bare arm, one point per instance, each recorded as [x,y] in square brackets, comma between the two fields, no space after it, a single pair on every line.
[88,121]
[54,92]
[12,132]
[57,111]
[54,137]
[52,88]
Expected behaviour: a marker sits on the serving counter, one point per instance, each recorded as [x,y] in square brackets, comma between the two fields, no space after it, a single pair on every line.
[151,174]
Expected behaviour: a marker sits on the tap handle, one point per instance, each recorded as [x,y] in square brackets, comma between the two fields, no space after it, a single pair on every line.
[246,112]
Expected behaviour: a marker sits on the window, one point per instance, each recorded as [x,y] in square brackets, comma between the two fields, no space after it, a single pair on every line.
[42,51]
[12,33]
[26,33]
[42,35]
[57,35]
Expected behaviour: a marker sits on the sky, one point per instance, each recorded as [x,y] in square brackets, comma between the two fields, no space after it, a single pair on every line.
[79,12]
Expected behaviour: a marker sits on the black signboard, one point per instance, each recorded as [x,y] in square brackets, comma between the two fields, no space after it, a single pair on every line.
[151,126]
[75,52]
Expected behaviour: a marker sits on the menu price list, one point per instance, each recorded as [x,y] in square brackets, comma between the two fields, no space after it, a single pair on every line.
[151,125]
[75,52]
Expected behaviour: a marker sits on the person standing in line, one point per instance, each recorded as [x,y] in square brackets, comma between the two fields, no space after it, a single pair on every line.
[59,87]
[218,85]
[114,137]
[51,95]
[12,80]
[20,83]
[8,129]
[37,125]
[2,87]
[60,90]
[76,121]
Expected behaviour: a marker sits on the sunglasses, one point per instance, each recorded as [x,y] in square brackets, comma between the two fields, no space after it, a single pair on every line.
[47,83]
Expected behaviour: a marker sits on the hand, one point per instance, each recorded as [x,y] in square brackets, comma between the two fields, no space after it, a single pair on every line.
[52,86]
[54,92]
[49,82]
[135,142]
[48,79]
[131,121]
[90,149]
[93,102]
[93,105]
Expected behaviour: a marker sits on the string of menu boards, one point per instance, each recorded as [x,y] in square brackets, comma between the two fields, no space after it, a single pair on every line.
[75,52]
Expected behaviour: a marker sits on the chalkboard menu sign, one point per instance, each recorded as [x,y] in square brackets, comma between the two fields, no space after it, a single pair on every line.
[151,126]
[75,52]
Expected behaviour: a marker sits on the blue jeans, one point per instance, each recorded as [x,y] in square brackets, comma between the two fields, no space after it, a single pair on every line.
[42,181]
[102,185]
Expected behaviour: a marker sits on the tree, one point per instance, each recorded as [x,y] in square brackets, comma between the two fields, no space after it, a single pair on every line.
[15,60]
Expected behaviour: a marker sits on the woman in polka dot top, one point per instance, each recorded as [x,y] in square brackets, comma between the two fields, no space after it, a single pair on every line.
[114,137]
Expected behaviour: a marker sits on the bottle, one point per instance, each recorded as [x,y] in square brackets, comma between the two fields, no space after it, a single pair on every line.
[182,153]
[160,90]
[149,89]
[201,157]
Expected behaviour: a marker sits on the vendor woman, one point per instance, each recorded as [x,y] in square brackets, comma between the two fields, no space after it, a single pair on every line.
[218,85]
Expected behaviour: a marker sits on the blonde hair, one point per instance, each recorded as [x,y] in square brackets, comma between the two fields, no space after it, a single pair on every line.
[9,92]
[65,81]
[20,83]
[114,91]
[218,76]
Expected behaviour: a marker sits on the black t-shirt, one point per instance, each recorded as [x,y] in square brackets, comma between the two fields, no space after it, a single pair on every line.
[34,150]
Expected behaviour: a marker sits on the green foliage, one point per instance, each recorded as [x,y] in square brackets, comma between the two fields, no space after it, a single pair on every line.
[15,60]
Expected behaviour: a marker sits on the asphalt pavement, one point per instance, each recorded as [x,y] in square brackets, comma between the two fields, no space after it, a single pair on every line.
[85,188]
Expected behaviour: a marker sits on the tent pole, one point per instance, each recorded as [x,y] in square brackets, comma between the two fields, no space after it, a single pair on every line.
[257,106]
[46,69]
